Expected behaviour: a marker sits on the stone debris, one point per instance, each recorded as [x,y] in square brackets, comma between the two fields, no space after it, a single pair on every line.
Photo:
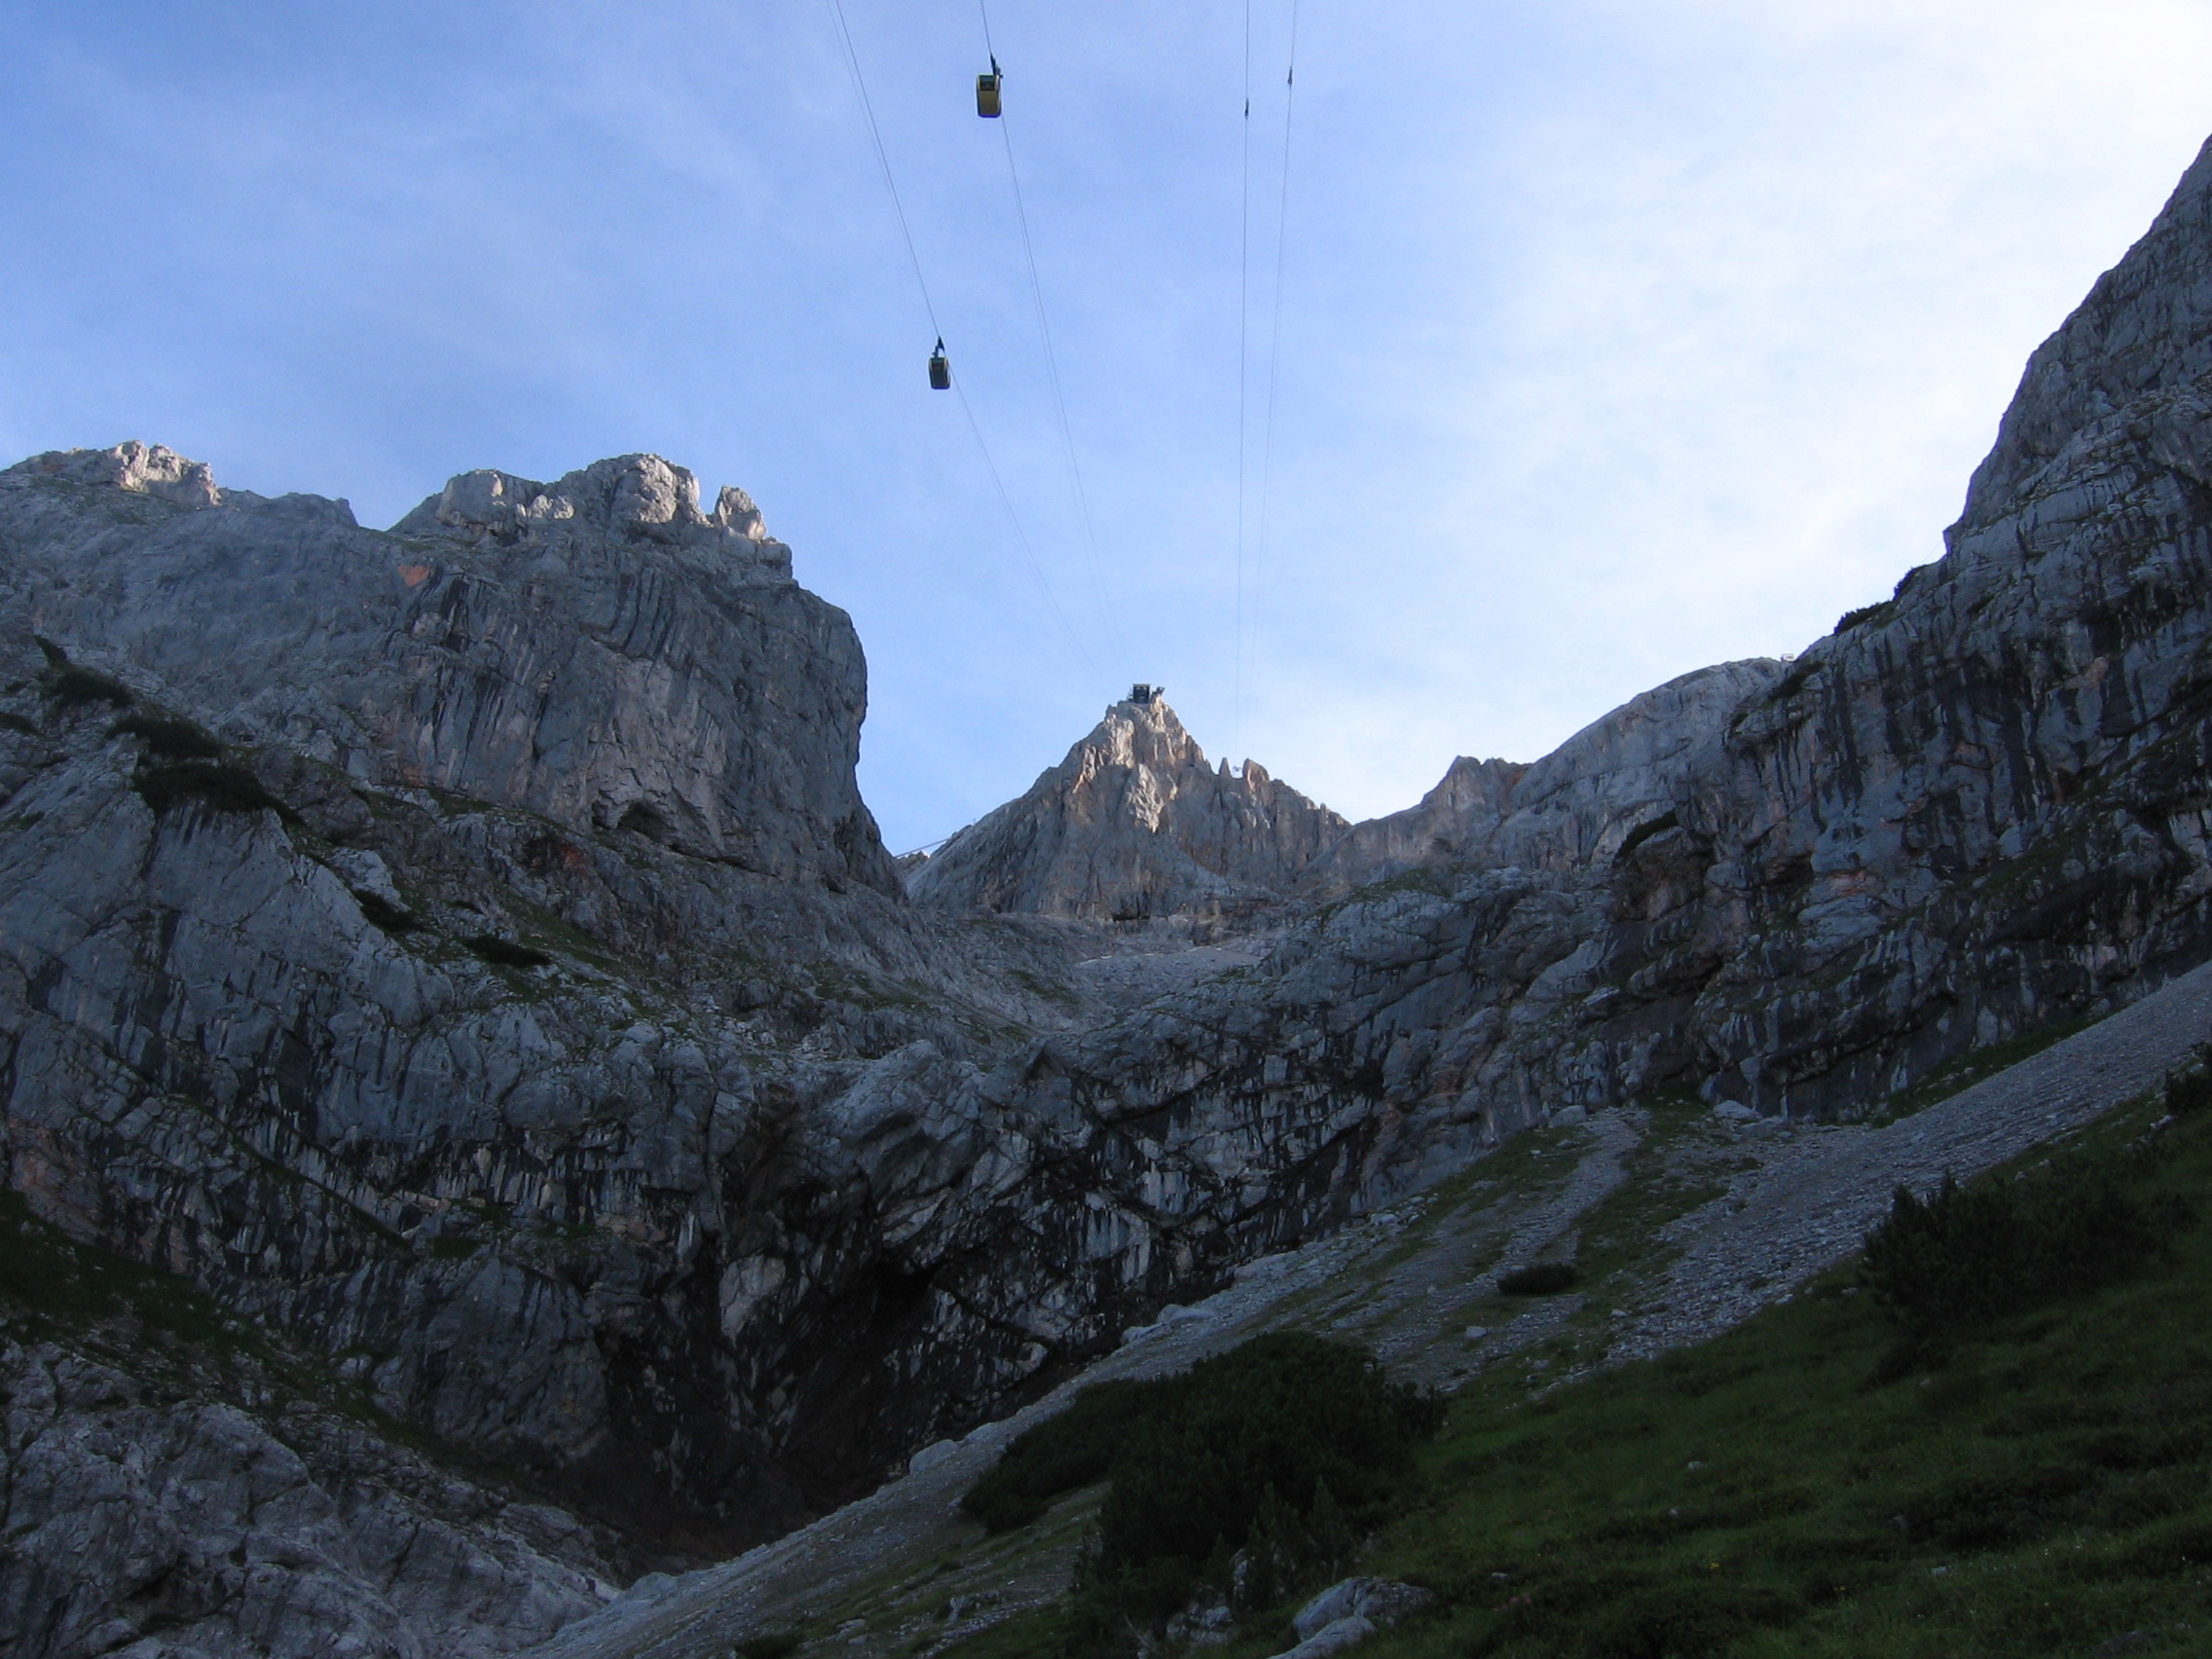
[128,1515]
[1349,1612]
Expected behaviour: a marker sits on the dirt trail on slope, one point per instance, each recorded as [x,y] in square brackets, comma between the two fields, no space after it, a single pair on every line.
[1686,1224]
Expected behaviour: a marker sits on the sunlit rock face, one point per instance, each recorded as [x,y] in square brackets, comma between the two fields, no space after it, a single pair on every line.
[1133,825]
[596,651]
[1575,805]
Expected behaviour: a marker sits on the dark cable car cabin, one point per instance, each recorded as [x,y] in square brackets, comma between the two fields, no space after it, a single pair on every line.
[987,92]
[940,369]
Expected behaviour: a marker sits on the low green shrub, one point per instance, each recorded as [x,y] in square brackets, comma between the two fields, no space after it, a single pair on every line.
[1066,1453]
[169,738]
[1879,611]
[218,785]
[1539,1278]
[505,952]
[1281,1449]
[1967,1254]
[71,686]
[2189,1091]
[770,1645]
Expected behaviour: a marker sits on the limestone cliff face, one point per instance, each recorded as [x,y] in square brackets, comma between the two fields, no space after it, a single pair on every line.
[1132,825]
[596,651]
[1135,826]
[1979,805]
[1579,803]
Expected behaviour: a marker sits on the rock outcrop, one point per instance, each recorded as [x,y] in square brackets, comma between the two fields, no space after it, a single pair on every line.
[1576,805]
[597,650]
[1133,825]
[193,1523]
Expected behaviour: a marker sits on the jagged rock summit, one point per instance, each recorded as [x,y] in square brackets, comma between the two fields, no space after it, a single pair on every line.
[596,649]
[405,936]
[1133,825]
[1575,807]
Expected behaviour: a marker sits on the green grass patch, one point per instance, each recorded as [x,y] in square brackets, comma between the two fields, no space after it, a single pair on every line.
[557,930]
[1779,1490]
[1038,1632]
[1047,990]
[2038,1484]
[62,1287]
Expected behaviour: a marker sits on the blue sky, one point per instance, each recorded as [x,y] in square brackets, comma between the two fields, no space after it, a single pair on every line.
[1615,339]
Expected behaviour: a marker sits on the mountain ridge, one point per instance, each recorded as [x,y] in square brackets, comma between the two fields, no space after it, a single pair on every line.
[466,951]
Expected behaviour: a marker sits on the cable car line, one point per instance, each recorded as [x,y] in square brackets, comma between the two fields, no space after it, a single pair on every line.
[1107,607]
[1036,566]
[1243,381]
[987,85]
[883,158]
[939,366]
[1274,327]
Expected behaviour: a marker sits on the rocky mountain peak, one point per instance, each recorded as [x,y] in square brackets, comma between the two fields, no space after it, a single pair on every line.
[2141,341]
[597,649]
[628,496]
[146,470]
[1133,823]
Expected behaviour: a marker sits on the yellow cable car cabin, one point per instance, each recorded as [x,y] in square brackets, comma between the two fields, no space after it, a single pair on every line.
[940,369]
